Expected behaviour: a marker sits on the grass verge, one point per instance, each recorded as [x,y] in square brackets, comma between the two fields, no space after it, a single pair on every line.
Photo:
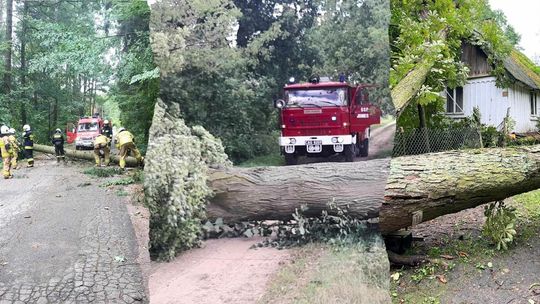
[262,161]
[324,273]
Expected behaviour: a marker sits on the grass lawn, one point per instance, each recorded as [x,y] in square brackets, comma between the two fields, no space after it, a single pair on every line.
[322,273]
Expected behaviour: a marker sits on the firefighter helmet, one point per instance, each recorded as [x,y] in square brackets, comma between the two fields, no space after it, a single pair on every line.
[121,129]
[26,128]
[4,130]
[58,131]
[106,121]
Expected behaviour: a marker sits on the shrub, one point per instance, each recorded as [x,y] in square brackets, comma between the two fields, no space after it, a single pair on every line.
[500,224]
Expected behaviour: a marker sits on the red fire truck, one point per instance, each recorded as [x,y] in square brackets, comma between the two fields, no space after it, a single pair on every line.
[321,118]
[87,130]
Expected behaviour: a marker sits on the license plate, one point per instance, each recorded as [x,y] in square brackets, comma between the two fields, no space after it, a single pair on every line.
[314,146]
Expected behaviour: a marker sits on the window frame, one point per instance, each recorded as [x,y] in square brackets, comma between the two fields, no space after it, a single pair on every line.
[533,103]
[456,108]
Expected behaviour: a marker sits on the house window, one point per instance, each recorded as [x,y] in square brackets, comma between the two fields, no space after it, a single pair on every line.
[533,101]
[454,100]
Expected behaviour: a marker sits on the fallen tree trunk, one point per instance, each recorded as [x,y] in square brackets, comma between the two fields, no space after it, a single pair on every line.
[275,192]
[418,188]
[424,187]
[407,88]
[86,155]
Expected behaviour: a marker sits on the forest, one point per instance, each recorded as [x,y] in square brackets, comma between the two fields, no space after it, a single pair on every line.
[225,62]
[66,59]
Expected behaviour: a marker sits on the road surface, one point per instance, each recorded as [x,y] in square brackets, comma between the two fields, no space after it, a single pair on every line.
[64,239]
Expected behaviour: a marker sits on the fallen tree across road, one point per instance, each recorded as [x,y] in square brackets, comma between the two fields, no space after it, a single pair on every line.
[242,194]
[422,187]
[85,155]
[430,185]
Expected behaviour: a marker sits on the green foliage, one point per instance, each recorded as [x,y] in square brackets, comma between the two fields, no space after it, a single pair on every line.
[334,226]
[500,224]
[75,58]
[434,31]
[353,39]
[103,172]
[226,82]
[138,82]
[274,159]
[119,182]
[175,185]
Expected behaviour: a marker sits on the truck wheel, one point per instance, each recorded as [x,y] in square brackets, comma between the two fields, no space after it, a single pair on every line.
[291,159]
[364,150]
[349,152]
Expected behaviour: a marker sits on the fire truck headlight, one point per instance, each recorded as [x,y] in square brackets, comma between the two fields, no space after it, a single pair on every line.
[280,103]
[334,140]
[292,141]
[340,139]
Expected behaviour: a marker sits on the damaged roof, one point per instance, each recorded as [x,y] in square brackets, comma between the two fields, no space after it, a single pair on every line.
[522,69]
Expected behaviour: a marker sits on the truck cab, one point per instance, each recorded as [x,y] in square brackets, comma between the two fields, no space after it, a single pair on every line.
[88,128]
[322,118]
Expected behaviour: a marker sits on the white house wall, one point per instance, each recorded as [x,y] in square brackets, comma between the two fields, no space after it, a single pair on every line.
[484,94]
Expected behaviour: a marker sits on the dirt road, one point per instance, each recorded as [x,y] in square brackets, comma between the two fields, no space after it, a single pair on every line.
[223,271]
[381,143]
[64,239]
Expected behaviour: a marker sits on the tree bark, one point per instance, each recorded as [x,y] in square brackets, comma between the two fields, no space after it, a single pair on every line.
[430,185]
[424,186]
[275,192]
[22,39]
[85,155]
[9,42]
[407,88]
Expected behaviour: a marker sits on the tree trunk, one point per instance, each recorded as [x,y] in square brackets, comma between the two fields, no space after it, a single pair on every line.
[84,155]
[275,192]
[22,39]
[407,88]
[419,188]
[424,187]
[9,42]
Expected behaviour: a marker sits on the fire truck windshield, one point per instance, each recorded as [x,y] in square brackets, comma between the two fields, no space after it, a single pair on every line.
[88,127]
[316,97]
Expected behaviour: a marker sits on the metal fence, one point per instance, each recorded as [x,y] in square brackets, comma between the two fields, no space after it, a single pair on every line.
[420,141]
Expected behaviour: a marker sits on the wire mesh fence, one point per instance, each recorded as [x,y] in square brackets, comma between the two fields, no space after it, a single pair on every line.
[425,140]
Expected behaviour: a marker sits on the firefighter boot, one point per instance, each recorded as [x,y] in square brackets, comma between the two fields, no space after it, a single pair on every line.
[7,168]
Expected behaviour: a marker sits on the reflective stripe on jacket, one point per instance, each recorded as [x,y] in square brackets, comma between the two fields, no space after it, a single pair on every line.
[28,140]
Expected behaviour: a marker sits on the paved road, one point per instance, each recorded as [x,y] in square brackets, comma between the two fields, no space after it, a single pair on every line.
[64,241]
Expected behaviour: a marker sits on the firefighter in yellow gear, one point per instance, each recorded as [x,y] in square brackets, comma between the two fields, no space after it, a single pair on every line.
[15,147]
[125,143]
[101,144]
[6,151]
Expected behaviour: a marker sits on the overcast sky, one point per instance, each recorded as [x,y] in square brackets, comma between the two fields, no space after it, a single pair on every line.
[523,16]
